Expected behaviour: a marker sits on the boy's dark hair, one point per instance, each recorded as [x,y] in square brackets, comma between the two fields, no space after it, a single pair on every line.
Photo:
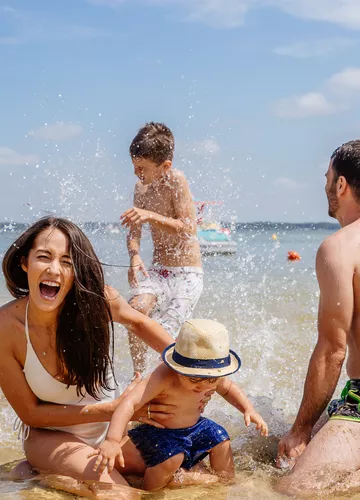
[346,163]
[154,142]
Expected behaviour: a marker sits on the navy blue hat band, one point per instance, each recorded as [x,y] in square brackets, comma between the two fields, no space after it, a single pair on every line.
[200,363]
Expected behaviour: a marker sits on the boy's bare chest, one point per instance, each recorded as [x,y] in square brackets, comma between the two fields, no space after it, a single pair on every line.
[183,399]
[159,201]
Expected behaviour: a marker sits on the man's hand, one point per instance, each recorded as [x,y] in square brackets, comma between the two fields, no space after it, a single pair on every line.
[291,446]
[135,216]
[136,266]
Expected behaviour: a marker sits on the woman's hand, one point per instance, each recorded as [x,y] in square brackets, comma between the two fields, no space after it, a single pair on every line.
[153,414]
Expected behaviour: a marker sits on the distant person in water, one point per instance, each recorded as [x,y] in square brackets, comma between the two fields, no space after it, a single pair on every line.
[171,287]
[336,447]
[199,361]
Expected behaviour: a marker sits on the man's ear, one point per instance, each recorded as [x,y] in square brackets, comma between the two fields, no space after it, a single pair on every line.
[341,184]
[23,263]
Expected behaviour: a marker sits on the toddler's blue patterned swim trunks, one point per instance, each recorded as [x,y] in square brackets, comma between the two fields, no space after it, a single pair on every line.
[157,445]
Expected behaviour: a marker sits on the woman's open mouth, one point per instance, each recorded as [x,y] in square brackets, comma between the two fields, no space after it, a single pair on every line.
[49,289]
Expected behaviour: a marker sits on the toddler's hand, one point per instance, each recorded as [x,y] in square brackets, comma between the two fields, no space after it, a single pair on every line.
[255,418]
[107,453]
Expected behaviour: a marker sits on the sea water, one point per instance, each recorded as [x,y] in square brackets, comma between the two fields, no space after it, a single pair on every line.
[269,306]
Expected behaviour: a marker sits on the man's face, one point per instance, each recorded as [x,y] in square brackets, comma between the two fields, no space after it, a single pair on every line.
[330,190]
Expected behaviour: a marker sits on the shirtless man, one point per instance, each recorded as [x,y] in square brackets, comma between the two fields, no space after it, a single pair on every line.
[200,360]
[336,447]
[172,286]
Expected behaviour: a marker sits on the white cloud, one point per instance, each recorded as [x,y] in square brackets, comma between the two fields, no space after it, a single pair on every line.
[345,13]
[10,157]
[315,48]
[24,26]
[339,92]
[288,184]
[346,80]
[57,131]
[310,104]
[231,13]
[218,13]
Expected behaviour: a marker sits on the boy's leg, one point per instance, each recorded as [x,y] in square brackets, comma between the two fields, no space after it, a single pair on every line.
[159,476]
[222,460]
[145,304]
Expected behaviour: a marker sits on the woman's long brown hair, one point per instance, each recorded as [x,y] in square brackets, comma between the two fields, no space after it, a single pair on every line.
[84,339]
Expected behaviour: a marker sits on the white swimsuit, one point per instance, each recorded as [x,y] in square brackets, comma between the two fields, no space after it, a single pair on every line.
[49,390]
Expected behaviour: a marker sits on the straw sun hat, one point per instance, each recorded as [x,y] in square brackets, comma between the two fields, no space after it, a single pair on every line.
[202,350]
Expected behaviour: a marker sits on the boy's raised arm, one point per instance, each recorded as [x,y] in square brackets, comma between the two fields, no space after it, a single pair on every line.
[133,244]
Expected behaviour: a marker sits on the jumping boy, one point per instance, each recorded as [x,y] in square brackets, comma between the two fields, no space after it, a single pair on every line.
[199,361]
[170,289]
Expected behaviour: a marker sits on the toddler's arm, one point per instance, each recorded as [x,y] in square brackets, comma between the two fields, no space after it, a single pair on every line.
[235,396]
[145,391]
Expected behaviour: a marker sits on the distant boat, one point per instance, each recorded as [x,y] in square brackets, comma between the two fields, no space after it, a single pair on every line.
[213,239]
[112,228]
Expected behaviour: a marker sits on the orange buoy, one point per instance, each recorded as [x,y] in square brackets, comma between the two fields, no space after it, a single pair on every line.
[292,255]
[274,237]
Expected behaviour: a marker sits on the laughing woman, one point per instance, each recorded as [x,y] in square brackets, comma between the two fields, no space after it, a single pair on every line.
[56,356]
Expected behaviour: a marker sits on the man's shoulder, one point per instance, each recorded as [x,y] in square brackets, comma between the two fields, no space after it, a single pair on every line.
[337,249]
[343,239]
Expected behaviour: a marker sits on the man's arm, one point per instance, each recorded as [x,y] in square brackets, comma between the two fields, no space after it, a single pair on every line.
[185,221]
[148,330]
[336,306]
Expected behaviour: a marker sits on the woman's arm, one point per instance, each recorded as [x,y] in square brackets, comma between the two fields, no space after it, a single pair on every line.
[137,323]
[145,391]
[37,414]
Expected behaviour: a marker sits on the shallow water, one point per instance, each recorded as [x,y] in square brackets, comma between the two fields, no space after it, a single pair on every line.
[269,307]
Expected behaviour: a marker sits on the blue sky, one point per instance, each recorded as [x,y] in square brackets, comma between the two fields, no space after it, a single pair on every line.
[257,92]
